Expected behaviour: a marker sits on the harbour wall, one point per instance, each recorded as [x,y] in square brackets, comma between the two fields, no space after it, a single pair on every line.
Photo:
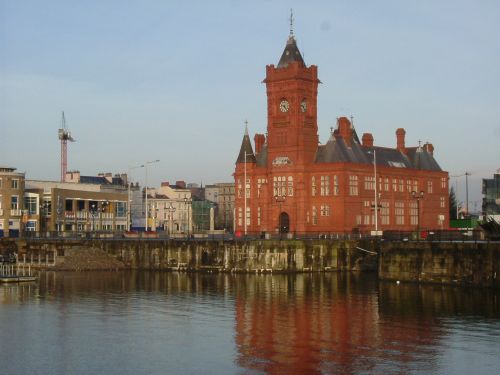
[461,263]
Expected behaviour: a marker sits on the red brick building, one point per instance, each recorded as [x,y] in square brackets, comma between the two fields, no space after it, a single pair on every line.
[295,184]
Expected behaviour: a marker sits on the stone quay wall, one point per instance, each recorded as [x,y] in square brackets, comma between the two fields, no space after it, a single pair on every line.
[461,263]
[244,256]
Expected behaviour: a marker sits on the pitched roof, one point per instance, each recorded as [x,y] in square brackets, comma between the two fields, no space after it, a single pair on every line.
[246,151]
[290,54]
[421,159]
[337,151]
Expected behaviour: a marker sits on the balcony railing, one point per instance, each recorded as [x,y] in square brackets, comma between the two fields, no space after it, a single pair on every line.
[84,215]
[16,212]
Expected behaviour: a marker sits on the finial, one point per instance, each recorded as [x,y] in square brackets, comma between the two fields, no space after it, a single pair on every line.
[419,144]
[331,129]
[246,127]
[291,23]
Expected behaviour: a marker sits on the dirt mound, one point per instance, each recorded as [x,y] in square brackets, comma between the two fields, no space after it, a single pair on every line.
[88,259]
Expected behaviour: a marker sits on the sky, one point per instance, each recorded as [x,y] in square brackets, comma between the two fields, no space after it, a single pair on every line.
[176,80]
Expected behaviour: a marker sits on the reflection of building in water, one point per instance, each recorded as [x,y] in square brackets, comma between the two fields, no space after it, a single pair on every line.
[316,324]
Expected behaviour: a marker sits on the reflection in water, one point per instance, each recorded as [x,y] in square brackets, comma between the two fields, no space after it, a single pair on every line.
[157,322]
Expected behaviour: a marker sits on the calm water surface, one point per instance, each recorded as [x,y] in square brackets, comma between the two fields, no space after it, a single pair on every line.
[170,323]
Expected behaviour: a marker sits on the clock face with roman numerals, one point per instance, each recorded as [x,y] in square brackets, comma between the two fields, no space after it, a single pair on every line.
[284,106]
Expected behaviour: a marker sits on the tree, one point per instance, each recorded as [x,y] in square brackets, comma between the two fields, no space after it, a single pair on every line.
[454,206]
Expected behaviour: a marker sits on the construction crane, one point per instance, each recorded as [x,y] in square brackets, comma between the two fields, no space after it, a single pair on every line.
[64,137]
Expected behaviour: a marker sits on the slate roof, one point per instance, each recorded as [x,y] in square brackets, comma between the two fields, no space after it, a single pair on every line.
[336,151]
[290,54]
[246,146]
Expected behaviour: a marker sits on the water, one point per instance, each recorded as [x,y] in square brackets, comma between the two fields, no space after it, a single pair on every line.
[171,323]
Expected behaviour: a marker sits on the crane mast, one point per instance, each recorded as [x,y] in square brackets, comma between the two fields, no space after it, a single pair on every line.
[64,137]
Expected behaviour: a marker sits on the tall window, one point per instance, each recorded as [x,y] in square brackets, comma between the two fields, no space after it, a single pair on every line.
[384,213]
[314,216]
[248,216]
[443,183]
[353,185]
[313,186]
[399,213]
[429,187]
[14,183]
[240,216]
[413,213]
[279,186]
[386,184]
[415,185]
[442,202]
[30,204]
[394,184]
[247,188]
[335,185]
[14,202]
[325,185]
[258,215]
[367,214]
[408,186]
[401,186]
[369,183]
[121,209]
[325,210]
[290,186]
[240,189]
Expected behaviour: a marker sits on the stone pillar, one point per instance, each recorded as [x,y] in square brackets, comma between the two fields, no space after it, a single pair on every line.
[211,218]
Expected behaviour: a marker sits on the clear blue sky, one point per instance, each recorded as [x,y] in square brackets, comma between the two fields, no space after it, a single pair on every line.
[175,81]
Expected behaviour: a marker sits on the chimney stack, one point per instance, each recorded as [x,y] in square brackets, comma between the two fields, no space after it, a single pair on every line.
[367,140]
[429,148]
[259,140]
[345,130]
[400,136]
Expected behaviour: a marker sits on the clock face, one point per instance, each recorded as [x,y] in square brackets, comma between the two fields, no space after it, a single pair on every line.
[284,106]
[303,106]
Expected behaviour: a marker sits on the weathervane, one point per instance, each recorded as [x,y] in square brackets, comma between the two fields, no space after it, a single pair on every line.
[291,22]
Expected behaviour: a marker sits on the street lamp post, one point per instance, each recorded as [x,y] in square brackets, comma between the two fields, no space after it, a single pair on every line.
[376,196]
[418,197]
[93,213]
[146,208]
[279,199]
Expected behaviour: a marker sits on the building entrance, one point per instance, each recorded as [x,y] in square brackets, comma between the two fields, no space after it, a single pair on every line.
[284,223]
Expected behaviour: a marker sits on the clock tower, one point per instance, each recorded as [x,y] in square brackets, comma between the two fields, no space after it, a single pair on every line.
[292,128]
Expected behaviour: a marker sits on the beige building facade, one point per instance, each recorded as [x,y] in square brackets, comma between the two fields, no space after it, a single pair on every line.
[13,216]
